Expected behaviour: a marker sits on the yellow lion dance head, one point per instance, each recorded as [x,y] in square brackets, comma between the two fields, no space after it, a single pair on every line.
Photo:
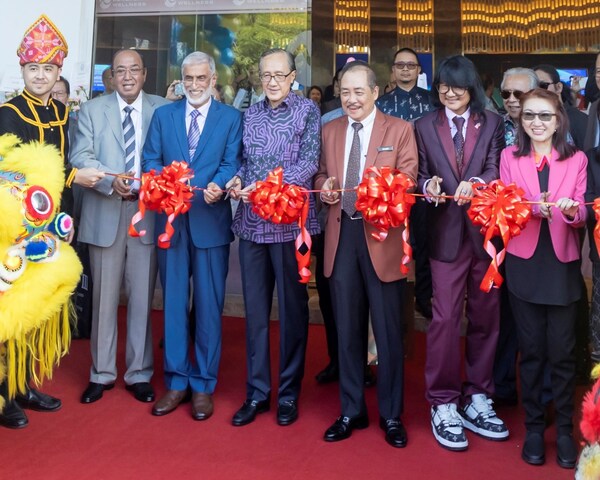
[38,270]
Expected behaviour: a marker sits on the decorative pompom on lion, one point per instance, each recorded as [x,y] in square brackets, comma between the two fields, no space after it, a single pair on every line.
[38,269]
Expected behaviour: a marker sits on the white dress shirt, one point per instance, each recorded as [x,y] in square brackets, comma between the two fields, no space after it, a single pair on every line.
[200,119]
[365,137]
[136,118]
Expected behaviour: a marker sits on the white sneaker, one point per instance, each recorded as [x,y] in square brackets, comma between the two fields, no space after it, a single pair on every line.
[447,427]
[479,417]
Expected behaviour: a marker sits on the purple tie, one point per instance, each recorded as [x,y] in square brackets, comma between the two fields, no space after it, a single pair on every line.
[459,142]
[193,133]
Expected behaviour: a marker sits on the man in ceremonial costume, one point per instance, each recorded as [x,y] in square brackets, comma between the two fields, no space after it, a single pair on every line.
[33,115]
[110,135]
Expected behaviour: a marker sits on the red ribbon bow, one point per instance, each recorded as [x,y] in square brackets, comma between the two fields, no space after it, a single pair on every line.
[168,192]
[384,201]
[280,202]
[500,211]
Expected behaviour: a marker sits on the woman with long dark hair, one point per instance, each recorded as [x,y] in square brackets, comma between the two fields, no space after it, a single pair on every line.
[543,264]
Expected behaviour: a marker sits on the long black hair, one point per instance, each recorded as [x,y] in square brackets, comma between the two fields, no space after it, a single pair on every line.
[459,71]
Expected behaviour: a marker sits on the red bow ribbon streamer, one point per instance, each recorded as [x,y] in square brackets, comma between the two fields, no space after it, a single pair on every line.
[283,203]
[596,208]
[384,201]
[168,192]
[500,211]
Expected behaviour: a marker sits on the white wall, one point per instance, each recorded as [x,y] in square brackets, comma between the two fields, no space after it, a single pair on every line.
[74,18]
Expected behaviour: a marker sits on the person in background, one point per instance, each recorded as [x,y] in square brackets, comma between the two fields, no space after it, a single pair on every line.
[515,82]
[592,134]
[409,102]
[107,81]
[488,86]
[543,267]
[459,145]
[267,250]
[250,91]
[315,94]
[331,100]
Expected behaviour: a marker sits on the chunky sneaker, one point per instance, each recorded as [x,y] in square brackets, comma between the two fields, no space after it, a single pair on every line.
[448,427]
[479,417]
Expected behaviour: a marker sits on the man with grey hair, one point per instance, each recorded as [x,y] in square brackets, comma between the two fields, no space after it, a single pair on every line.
[281,130]
[207,135]
[515,82]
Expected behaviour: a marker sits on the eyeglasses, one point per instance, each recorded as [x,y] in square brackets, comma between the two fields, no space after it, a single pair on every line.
[133,71]
[407,65]
[543,116]
[505,94]
[545,85]
[458,91]
[59,93]
[279,77]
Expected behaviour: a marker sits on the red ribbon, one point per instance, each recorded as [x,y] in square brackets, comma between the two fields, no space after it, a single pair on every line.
[500,211]
[596,208]
[384,201]
[283,203]
[168,192]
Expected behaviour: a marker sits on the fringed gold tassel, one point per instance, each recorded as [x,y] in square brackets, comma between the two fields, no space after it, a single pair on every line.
[16,363]
[596,372]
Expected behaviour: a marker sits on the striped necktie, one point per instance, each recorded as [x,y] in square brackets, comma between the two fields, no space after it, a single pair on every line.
[129,139]
[459,142]
[193,133]
[352,173]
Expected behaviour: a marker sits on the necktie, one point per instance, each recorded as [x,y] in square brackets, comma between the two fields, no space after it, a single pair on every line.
[459,142]
[352,173]
[129,139]
[193,133]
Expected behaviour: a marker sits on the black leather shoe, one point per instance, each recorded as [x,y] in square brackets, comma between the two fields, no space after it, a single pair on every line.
[395,433]
[248,412]
[534,450]
[566,451]
[331,373]
[94,392]
[370,377]
[343,426]
[12,416]
[142,391]
[35,400]
[287,413]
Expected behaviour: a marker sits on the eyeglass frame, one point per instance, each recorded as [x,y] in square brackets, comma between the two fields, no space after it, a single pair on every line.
[505,94]
[545,85]
[538,115]
[274,77]
[407,65]
[133,71]
[449,87]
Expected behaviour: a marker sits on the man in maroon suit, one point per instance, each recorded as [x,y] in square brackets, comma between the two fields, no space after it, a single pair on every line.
[364,273]
[459,144]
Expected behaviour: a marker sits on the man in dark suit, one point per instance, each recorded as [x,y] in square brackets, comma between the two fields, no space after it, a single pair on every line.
[364,273]
[207,135]
[111,131]
[459,144]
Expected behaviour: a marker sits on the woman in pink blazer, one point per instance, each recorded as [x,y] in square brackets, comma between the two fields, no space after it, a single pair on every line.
[543,264]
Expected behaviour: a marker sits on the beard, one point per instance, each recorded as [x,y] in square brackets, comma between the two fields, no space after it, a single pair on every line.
[197,102]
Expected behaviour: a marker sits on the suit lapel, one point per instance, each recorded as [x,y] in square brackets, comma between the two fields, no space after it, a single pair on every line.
[113,117]
[442,130]
[339,143]
[379,129]
[558,173]
[178,117]
[529,174]
[473,131]
[147,111]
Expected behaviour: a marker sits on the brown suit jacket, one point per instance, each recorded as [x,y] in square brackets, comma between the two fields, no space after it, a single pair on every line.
[387,132]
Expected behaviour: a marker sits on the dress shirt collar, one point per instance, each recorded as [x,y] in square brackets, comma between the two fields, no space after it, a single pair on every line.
[288,101]
[367,121]
[136,105]
[450,115]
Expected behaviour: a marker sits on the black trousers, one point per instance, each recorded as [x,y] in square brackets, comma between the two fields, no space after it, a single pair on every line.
[546,336]
[356,290]
[264,266]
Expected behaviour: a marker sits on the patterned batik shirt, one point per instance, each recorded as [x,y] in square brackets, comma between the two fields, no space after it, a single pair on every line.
[406,105]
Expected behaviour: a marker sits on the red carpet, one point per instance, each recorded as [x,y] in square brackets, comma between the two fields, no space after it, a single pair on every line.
[117,438]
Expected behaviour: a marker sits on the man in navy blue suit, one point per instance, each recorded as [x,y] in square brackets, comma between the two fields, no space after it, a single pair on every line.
[208,136]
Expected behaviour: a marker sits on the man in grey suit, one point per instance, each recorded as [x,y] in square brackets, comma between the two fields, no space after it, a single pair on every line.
[110,136]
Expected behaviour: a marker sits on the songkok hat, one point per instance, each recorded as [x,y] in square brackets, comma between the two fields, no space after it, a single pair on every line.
[43,43]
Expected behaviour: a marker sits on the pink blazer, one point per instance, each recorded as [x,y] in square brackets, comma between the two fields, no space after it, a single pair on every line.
[567,179]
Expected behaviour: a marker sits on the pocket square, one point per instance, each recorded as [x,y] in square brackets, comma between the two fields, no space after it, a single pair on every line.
[387,148]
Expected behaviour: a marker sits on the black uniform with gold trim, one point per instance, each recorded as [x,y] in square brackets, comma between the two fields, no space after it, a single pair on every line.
[28,118]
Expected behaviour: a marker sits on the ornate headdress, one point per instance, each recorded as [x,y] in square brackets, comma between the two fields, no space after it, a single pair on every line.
[43,43]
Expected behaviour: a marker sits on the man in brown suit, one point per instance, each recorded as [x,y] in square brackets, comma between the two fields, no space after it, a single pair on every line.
[364,273]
